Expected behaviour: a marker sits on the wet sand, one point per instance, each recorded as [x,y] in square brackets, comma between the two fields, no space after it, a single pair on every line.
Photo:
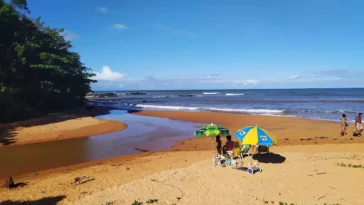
[143,133]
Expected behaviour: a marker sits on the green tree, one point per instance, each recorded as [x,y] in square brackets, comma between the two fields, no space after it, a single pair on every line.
[38,72]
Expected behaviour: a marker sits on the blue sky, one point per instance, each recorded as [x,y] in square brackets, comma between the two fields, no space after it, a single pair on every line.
[210,44]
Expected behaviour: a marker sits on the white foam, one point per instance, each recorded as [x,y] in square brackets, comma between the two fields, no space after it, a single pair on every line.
[267,111]
[234,94]
[160,96]
[210,93]
[167,107]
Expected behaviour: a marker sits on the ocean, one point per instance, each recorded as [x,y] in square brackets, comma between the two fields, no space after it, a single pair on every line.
[320,104]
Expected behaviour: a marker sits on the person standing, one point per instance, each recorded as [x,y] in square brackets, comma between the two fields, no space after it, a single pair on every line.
[219,145]
[343,125]
[358,127]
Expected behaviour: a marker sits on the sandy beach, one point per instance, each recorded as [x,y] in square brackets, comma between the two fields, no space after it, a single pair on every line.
[56,127]
[288,130]
[307,167]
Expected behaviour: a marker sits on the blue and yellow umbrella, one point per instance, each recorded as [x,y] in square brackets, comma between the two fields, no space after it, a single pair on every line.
[254,135]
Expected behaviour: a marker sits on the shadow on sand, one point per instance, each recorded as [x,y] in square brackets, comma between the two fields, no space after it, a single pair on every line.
[43,201]
[269,158]
[6,136]
[20,184]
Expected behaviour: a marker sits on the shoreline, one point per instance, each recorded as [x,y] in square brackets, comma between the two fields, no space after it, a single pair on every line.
[133,110]
[288,130]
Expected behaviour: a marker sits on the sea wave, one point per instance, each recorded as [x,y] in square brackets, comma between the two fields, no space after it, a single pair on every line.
[166,107]
[234,94]
[319,111]
[211,109]
[287,112]
[267,111]
[210,93]
[160,96]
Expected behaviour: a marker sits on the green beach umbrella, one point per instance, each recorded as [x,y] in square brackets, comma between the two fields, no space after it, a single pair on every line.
[212,130]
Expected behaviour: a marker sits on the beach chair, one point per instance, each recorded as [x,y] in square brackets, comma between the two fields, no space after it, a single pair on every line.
[244,151]
[252,165]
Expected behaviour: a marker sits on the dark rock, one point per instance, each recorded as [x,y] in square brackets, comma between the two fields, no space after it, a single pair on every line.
[107,95]
[185,95]
[135,93]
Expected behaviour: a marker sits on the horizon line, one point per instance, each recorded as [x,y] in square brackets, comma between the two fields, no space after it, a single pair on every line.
[218,89]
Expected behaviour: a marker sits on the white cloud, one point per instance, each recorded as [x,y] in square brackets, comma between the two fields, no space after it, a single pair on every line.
[103,10]
[294,77]
[119,26]
[70,35]
[246,82]
[108,75]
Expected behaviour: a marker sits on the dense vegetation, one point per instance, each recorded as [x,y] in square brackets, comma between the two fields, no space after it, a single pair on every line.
[38,72]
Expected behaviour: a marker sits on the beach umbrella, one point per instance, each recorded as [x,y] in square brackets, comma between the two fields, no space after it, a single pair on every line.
[254,135]
[212,130]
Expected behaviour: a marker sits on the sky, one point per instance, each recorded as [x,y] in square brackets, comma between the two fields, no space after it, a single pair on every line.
[210,44]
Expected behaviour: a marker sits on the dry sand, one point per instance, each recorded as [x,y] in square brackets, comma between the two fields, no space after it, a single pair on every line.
[308,175]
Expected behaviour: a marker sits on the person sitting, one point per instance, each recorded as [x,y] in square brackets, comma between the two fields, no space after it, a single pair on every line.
[229,146]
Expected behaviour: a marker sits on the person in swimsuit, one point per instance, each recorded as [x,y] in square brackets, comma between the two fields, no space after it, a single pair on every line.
[343,125]
[358,127]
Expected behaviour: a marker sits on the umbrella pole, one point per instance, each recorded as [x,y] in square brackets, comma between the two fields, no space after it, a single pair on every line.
[212,150]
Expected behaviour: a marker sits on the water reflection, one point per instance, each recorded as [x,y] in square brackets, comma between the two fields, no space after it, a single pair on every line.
[147,133]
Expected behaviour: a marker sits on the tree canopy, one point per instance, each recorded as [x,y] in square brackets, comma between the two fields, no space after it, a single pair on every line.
[38,71]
